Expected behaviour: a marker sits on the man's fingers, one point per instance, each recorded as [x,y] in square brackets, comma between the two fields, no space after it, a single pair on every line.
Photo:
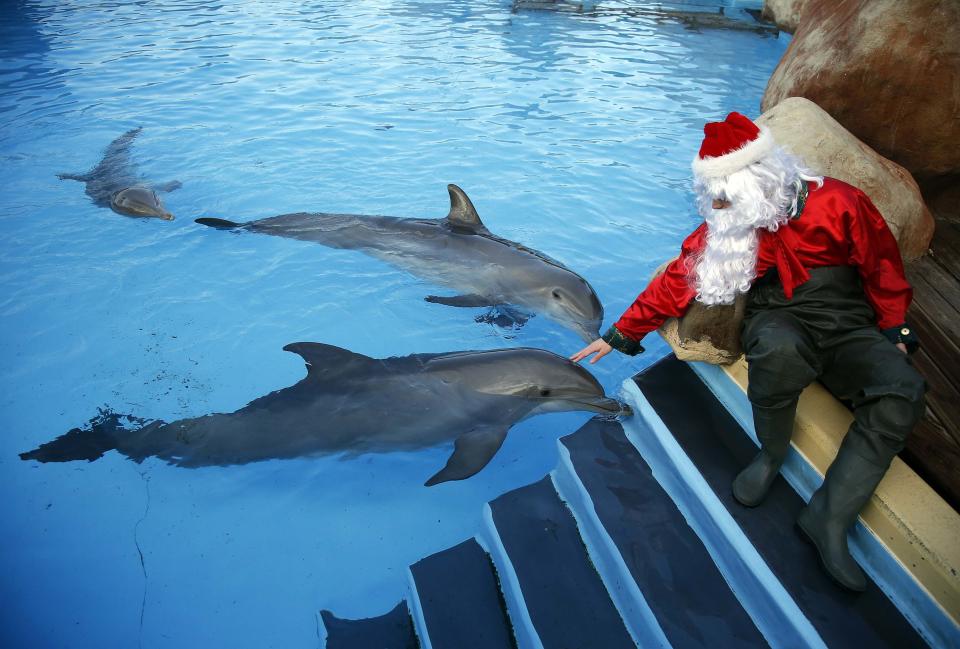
[576,358]
[600,354]
[583,353]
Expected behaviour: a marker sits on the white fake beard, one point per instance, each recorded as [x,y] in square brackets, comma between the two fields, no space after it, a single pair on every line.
[728,263]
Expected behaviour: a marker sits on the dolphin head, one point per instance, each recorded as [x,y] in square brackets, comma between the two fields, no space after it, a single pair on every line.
[139,201]
[550,383]
[569,299]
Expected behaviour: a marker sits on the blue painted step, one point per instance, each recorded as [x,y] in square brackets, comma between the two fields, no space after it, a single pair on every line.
[392,630]
[682,586]
[567,602]
[720,448]
[460,600]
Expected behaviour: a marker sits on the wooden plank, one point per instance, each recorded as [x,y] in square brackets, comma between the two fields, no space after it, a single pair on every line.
[941,398]
[935,459]
[946,247]
[936,310]
[939,347]
[935,284]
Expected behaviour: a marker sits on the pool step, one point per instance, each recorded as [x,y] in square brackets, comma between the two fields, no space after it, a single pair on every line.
[457,601]
[654,559]
[786,568]
[392,630]
[635,540]
[557,592]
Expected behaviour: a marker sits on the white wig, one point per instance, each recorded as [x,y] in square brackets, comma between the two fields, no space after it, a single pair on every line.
[763,194]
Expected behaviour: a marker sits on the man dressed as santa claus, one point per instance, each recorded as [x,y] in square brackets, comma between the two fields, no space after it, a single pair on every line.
[826,300]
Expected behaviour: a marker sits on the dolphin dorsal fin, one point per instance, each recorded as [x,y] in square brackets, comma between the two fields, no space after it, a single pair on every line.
[327,360]
[462,212]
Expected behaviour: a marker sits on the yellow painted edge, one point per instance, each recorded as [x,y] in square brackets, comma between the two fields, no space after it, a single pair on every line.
[915,524]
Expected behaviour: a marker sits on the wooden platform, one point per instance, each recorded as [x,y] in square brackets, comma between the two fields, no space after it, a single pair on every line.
[933,450]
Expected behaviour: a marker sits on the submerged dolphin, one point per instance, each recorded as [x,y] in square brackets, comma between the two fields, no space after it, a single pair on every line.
[114,183]
[356,404]
[457,251]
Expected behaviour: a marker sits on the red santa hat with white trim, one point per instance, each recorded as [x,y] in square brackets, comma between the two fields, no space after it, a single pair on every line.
[731,145]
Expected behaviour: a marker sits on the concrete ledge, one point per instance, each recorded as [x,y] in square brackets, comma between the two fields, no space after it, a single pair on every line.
[914,523]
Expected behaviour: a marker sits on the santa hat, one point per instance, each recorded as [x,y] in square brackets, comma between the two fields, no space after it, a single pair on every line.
[731,145]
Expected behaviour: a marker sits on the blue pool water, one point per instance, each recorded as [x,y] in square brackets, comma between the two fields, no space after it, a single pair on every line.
[571,133]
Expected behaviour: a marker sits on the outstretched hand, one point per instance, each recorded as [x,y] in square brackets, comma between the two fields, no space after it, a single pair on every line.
[599,347]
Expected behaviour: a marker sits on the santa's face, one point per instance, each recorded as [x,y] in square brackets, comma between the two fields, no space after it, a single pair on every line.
[721,204]
[727,264]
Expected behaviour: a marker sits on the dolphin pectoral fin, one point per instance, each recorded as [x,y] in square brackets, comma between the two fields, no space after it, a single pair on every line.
[471,453]
[220,224]
[81,177]
[461,300]
[173,185]
[462,212]
[504,316]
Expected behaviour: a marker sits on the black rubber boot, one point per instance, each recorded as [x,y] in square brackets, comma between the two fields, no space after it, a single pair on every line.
[833,510]
[774,427]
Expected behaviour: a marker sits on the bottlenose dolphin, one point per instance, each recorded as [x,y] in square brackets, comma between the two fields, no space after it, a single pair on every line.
[114,183]
[356,404]
[456,251]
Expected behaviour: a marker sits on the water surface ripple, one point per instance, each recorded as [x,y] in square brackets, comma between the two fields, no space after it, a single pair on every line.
[571,133]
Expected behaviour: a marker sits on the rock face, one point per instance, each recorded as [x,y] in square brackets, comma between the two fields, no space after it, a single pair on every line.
[785,14]
[888,70]
[705,333]
[805,129]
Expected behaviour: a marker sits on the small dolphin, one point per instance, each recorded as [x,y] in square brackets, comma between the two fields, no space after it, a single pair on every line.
[356,404]
[456,251]
[114,183]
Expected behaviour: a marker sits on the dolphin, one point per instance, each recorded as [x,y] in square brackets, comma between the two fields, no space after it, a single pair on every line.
[351,403]
[456,251]
[114,183]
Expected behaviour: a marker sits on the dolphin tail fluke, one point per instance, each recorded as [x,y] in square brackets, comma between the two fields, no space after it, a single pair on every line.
[472,452]
[77,444]
[220,224]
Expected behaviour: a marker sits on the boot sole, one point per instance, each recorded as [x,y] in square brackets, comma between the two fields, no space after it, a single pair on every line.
[809,538]
[744,502]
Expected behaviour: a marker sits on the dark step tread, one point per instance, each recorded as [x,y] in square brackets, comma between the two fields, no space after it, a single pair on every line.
[682,586]
[393,630]
[567,602]
[460,599]
[720,448]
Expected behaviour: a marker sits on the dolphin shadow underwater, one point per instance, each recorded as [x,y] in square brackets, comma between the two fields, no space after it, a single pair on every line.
[456,251]
[354,404]
[114,183]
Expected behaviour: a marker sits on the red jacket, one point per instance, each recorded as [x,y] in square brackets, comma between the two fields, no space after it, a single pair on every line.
[838,226]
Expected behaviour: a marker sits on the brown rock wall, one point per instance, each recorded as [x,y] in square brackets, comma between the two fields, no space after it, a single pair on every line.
[805,129]
[785,14]
[887,70]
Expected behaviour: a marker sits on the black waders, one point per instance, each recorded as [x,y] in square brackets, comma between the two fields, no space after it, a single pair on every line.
[827,331]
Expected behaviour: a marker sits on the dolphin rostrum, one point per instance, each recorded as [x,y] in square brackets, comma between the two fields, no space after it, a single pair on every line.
[114,182]
[356,404]
[456,251]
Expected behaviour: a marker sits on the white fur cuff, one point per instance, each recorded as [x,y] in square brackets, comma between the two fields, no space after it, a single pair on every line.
[735,160]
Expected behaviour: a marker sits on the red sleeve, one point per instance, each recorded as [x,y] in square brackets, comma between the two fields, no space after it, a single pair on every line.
[668,295]
[875,253]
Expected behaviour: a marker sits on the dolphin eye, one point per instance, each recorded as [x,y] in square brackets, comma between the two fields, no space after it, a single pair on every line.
[557,295]
[544,392]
